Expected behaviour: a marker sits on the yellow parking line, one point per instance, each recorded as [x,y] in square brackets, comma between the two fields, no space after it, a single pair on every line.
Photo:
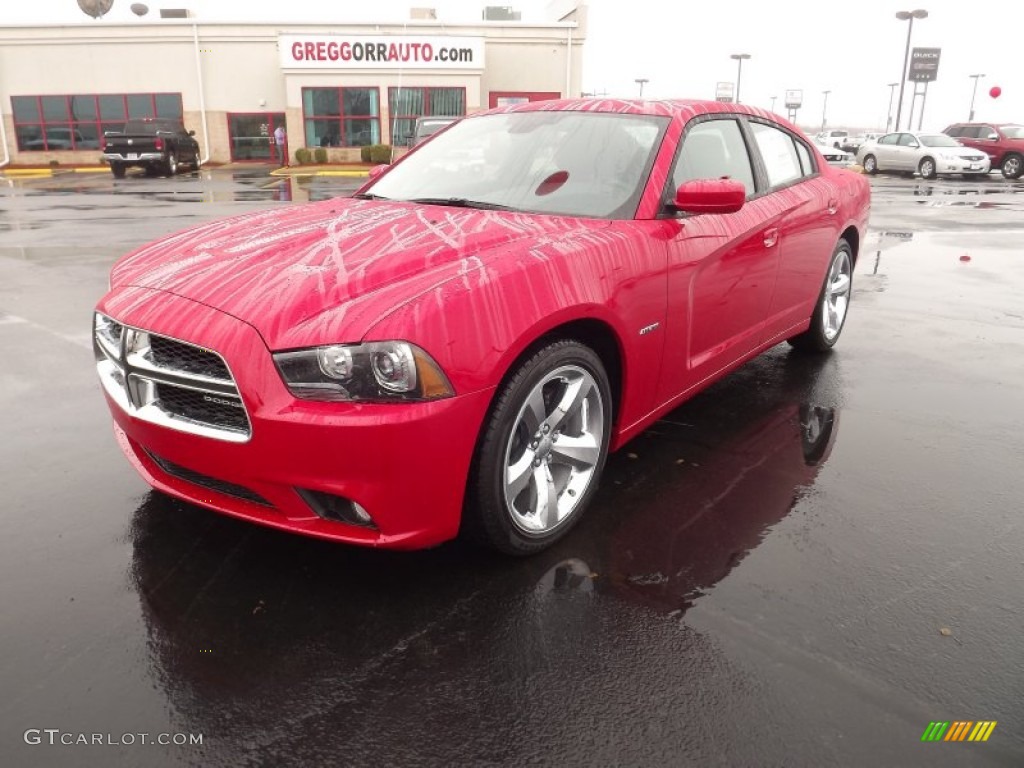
[103,169]
[28,172]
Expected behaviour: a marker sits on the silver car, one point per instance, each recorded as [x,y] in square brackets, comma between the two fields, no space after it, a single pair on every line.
[929,154]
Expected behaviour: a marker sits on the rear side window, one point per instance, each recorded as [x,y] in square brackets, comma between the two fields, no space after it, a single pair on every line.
[806,163]
[779,154]
[714,149]
[889,138]
[956,130]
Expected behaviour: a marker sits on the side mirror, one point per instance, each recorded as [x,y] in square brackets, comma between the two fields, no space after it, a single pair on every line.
[191,133]
[710,196]
[377,170]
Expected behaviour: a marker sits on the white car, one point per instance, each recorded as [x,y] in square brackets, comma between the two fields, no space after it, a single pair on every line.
[832,138]
[929,154]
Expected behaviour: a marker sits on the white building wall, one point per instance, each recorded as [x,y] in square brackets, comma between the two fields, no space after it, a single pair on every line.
[241,69]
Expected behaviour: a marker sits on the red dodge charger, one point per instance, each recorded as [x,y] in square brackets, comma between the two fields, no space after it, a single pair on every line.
[460,344]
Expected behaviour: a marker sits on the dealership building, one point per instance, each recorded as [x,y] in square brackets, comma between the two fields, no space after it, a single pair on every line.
[333,85]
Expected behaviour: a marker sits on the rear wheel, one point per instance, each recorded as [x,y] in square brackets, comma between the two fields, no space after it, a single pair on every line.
[1012,166]
[870,165]
[927,168]
[118,170]
[172,164]
[833,302]
[542,450]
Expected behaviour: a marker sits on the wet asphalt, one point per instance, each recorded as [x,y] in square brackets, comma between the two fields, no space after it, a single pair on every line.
[802,566]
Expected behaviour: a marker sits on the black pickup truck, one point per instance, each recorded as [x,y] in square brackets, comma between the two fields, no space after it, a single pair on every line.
[158,145]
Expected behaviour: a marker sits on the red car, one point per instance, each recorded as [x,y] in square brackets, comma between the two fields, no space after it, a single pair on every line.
[1004,144]
[461,344]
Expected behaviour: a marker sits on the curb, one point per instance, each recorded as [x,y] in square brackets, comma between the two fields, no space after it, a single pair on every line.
[298,171]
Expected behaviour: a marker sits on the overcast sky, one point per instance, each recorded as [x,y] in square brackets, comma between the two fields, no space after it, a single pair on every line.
[682,47]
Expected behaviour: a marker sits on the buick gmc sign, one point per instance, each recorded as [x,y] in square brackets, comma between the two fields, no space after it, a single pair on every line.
[380,52]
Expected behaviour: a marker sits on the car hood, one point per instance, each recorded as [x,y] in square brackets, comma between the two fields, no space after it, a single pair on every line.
[954,151]
[282,270]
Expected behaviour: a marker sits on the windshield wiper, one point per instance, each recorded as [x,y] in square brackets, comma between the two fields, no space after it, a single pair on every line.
[461,202]
[369,196]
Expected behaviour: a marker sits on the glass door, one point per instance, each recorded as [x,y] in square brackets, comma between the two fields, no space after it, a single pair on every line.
[252,136]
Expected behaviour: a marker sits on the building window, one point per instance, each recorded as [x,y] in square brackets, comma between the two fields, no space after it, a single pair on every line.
[341,117]
[406,104]
[48,123]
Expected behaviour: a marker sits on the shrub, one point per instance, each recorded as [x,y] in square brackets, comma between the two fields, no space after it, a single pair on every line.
[303,156]
[380,153]
[364,153]
[320,155]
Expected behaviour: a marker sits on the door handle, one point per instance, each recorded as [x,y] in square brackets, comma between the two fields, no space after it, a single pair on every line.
[771,237]
[833,206]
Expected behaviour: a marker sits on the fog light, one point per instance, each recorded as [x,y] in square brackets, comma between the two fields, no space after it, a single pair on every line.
[336,508]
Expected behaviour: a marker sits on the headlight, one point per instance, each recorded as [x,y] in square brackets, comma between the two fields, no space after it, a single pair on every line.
[379,370]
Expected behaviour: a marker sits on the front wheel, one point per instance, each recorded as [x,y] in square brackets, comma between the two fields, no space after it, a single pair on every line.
[542,450]
[870,165]
[927,169]
[833,302]
[1012,167]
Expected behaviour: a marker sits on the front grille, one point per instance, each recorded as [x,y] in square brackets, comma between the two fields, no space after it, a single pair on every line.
[176,355]
[212,483]
[169,382]
[202,407]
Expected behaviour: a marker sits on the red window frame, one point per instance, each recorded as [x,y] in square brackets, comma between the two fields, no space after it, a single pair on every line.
[71,125]
[341,117]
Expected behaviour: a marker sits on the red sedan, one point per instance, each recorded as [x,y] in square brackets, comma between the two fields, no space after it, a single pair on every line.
[460,345]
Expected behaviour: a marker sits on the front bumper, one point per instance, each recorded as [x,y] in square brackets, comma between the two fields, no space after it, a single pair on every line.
[405,463]
[958,165]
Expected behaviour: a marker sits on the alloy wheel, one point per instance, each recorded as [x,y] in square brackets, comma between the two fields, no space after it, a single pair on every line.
[554,449]
[837,295]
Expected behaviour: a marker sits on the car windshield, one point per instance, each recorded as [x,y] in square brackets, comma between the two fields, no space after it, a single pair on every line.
[1013,131]
[938,140]
[566,163]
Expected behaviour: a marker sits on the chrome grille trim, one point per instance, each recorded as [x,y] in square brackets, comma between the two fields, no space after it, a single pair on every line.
[131,378]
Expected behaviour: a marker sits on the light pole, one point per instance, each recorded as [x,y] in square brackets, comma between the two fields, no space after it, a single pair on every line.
[888,115]
[824,110]
[739,71]
[973,94]
[907,16]
[640,81]
[773,102]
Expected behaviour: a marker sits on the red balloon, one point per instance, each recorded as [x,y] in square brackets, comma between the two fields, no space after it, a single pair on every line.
[995,92]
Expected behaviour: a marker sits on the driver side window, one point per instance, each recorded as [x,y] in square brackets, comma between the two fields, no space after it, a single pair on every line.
[714,149]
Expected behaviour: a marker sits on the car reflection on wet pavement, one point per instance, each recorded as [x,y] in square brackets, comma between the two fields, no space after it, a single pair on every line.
[764,579]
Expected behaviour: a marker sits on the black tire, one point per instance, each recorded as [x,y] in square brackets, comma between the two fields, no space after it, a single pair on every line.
[1012,166]
[927,168]
[815,339]
[152,170]
[870,165]
[488,518]
[118,170]
[172,164]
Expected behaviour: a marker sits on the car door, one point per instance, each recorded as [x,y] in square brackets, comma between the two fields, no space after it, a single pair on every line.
[809,229]
[721,266]
[886,152]
[908,153]
[988,142]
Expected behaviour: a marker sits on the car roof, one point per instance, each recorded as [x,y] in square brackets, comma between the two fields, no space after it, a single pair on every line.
[682,108]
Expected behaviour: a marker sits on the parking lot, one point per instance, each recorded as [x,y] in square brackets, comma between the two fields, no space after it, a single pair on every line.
[802,566]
